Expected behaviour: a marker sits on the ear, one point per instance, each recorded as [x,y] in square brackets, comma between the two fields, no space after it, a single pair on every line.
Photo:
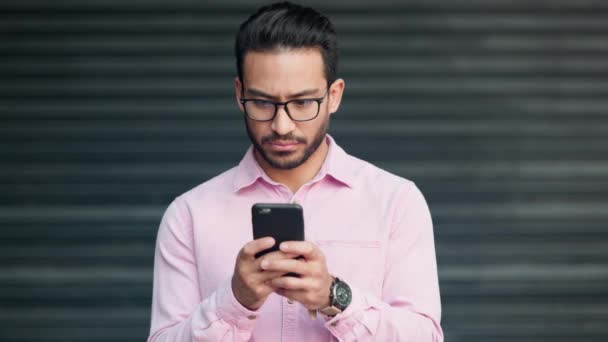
[238,86]
[335,95]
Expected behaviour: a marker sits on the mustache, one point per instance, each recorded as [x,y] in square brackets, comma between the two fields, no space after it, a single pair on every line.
[287,137]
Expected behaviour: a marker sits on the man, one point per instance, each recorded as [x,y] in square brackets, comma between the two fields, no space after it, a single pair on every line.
[368,265]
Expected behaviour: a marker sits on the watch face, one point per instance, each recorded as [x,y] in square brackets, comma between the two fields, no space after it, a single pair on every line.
[343,294]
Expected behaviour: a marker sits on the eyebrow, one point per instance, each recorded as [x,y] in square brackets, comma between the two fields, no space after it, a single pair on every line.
[257,92]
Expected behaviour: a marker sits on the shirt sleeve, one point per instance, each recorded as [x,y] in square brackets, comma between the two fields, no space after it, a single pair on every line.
[410,307]
[178,311]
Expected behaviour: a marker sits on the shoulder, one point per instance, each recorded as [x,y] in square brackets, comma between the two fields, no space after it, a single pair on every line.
[177,220]
[372,176]
[219,185]
[398,193]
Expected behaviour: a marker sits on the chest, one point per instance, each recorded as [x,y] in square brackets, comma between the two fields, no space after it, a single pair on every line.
[351,232]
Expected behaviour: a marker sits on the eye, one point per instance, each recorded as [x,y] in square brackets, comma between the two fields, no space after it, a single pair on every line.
[304,103]
[262,104]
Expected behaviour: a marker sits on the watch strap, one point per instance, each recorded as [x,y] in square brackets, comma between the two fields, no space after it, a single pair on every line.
[331,310]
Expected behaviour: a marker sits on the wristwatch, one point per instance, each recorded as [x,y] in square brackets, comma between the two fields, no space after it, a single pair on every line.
[340,297]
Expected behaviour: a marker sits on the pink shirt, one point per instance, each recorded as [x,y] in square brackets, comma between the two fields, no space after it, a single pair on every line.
[374,228]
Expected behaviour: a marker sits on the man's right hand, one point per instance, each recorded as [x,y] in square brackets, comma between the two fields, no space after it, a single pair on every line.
[250,284]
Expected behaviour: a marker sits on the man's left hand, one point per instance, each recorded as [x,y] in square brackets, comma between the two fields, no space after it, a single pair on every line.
[311,288]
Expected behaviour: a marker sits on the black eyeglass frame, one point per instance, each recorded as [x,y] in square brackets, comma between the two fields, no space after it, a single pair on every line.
[319,100]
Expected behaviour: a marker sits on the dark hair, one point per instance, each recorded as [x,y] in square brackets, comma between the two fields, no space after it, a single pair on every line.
[287,25]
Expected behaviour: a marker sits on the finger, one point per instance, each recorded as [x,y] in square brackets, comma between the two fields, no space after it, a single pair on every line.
[286,266]
[261,275]
[251,267]
[303,297]
[291,283]
[253,247]
[266,276]
[278,255]
[306,249]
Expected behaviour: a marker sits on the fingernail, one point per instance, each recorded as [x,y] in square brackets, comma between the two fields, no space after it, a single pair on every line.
[264,264]
[284,245]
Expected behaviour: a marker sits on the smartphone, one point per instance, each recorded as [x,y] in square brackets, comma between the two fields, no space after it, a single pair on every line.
[282,221]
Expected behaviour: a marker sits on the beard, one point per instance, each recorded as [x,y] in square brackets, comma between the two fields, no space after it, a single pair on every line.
[278,159]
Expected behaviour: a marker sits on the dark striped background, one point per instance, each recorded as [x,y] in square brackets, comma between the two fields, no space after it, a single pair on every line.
[497,109]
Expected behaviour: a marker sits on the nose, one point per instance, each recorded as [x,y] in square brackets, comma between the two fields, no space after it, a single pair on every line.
[282,123]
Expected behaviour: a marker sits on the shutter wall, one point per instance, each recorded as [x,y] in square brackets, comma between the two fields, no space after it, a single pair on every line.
[496,109]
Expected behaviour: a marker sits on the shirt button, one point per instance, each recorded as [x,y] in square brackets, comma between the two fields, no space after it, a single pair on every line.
[290,301]
[333,324]
[251,317]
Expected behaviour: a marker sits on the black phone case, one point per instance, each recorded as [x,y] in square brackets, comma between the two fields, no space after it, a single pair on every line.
[282,221]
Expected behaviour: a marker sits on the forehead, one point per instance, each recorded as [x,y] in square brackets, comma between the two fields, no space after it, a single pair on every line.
[283,71]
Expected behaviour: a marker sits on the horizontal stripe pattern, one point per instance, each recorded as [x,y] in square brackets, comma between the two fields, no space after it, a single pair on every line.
[496,109]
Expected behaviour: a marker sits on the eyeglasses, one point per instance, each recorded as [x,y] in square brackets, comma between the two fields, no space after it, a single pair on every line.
[297,110]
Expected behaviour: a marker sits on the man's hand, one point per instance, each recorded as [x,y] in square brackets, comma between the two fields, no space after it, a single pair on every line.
[312,287]
[250,284]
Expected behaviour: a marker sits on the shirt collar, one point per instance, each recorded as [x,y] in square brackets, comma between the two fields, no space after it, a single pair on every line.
[336,166]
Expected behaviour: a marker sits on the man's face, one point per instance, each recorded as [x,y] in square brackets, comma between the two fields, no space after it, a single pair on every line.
[281,76]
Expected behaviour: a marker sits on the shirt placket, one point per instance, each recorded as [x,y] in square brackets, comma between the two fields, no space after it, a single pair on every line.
[290,320]
[289,307]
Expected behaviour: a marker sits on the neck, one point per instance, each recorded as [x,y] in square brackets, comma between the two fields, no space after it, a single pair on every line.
[298,176]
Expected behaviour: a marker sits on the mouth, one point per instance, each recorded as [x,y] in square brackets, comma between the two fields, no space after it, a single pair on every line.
[283,145]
